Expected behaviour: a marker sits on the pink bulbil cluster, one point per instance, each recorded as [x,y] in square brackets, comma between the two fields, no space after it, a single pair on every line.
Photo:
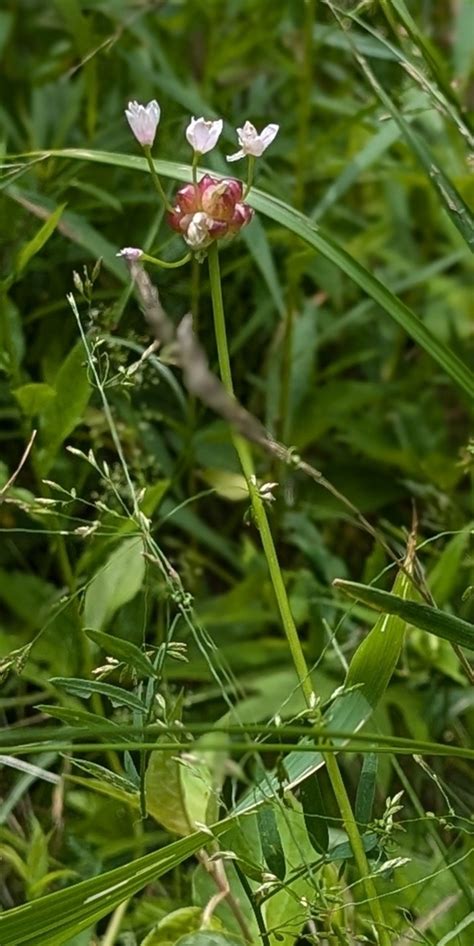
[209,210]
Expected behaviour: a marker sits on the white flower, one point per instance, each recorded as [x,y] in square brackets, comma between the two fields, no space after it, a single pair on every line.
[253,143]
[202,135]
[197,233]
[130,252]
[143,120]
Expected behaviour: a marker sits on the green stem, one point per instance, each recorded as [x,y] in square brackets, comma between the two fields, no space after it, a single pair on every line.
[146,258]
[242,448]
[156,179]
[357,846]
[250,175]
[243,451]
[264,937]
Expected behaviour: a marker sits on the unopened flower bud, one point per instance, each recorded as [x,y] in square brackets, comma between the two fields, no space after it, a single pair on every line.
[143,120]
[209,210]
[130,252]
[203,135]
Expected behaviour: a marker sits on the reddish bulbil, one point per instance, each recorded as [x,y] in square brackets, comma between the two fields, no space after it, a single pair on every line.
[209,211]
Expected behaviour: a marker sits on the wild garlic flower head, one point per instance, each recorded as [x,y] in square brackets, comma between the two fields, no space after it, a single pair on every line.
[203,135]
[143,120]
[251,142]
[209,211]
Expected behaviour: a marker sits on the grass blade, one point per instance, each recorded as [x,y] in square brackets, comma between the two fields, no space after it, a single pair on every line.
[453,203]
[308,231]
[447,626]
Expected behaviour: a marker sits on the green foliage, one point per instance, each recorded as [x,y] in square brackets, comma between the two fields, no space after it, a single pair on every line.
[148,689]
[117,581]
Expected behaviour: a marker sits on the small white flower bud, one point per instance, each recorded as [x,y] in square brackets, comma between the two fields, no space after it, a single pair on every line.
[203,135]
[143,120]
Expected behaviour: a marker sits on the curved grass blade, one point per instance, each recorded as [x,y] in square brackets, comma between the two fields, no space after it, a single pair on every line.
[368,676]
[308,231]
[435,64]
[439,623]
[55,918]
[453,203]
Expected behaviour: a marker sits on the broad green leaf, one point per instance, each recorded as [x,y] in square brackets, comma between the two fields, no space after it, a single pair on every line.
[33,398]
[178,924]
[303,227]
[208,938]
[125,651]
[116,582]
[285,914]
[437,622]
[64,411]
[38,241]
[86,688]
[270,840]
[232,486]
[178,788]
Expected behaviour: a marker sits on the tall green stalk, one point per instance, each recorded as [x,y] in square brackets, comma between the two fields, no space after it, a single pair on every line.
[242,448]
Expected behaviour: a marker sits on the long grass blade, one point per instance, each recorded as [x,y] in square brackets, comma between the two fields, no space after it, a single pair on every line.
[308,231]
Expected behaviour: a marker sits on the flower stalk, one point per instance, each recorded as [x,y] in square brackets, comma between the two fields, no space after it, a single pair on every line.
[243,451]
[155,178]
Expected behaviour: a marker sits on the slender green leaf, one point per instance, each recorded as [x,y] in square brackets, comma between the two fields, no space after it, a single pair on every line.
[272,848]
[366,788]
[55,918]
[315,815]
[38,241]
[436,622]
[86,688]
[368,676]
[303,227]
[451,200]
[123,650]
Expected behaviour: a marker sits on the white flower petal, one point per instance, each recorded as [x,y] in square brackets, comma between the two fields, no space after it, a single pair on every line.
[143,120]
[203,135]
[237,156]
[268,134]
[253,143]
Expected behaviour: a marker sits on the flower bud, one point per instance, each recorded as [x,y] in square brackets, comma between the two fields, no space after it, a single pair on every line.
[143,120]
[203,135]
[130,252]
[209,210]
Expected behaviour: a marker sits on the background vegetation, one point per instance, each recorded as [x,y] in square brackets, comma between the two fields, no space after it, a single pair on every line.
[351,344]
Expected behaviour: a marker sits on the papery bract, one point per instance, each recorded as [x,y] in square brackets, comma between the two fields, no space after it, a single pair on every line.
[209,210]
[130,252]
